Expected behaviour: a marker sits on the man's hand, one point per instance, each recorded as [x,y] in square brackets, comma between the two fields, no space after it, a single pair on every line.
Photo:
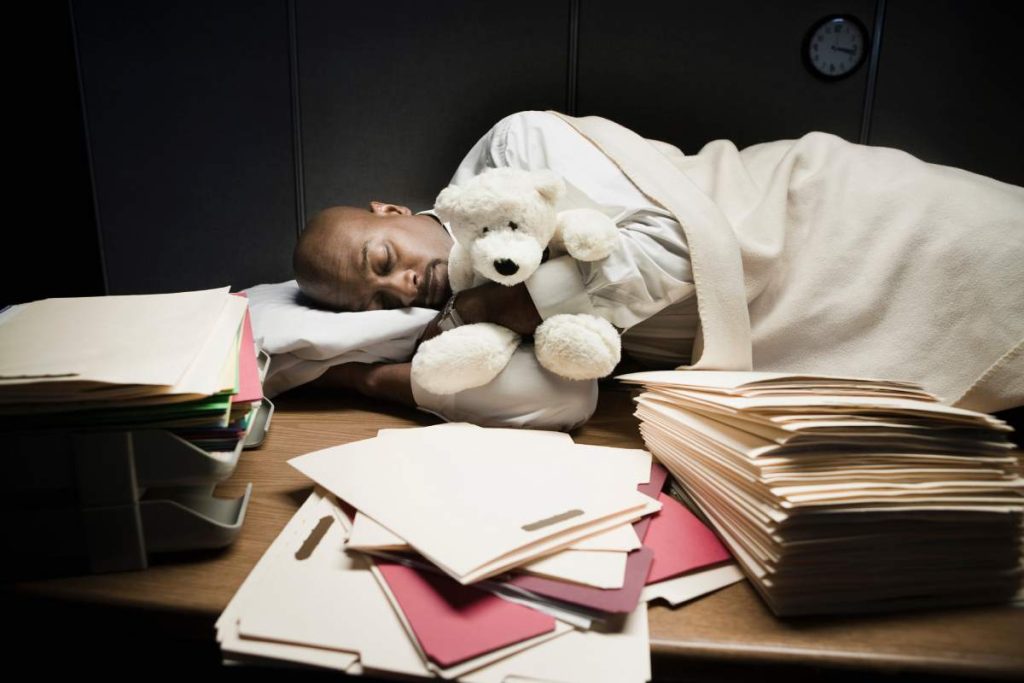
[491,302]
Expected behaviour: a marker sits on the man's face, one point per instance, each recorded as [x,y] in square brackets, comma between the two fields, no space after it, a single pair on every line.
[385,258]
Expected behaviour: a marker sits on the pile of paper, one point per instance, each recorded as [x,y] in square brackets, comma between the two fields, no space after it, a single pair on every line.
[842,494]
[183,361]
[455,551]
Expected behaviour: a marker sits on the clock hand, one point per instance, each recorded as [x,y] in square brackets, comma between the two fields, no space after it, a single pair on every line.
[847,50]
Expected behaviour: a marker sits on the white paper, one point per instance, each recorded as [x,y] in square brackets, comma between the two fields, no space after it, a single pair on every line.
[140,339]
[476,512]
[690,586]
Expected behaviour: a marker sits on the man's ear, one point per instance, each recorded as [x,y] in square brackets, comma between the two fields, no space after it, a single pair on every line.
[382,209]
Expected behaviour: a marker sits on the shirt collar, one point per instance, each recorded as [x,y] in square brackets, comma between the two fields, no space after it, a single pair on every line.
[430,212]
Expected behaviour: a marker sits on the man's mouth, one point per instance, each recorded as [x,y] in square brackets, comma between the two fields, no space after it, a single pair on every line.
[435,285]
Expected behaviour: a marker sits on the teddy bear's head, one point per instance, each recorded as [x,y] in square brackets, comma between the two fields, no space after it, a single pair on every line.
[504,218]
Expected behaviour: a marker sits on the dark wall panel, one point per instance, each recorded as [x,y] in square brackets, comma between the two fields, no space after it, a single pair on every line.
[690,72]
[189,116]
[394,93]
[951,84]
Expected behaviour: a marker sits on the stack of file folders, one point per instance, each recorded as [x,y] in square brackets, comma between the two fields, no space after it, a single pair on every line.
[843,494]
[119,415]
[184,362]
[475,554]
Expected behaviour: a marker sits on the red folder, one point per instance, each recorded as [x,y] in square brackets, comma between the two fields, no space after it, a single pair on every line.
[452,622]
[680,541]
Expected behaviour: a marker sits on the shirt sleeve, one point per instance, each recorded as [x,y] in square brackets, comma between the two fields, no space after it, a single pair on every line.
[524,395]
[651,268]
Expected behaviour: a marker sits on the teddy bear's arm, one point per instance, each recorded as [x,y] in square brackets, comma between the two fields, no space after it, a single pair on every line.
[586,234]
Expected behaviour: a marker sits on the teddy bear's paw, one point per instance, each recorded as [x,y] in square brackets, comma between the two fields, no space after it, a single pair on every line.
[587,235]
[462,358]
[577,346]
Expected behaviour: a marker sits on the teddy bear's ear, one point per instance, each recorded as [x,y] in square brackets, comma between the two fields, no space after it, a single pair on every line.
[549,185]
[447,203]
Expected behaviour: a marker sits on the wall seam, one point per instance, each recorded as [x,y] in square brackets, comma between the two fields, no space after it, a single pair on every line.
[88,148]
[869,89]
[300,180]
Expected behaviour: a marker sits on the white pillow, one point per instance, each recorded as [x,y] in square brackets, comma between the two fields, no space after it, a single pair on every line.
[304,341]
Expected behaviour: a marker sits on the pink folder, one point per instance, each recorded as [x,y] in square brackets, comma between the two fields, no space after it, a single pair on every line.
[249,389]
[680,541]
[452,622]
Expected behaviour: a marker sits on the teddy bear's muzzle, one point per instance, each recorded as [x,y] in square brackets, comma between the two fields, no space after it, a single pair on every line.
[506,257]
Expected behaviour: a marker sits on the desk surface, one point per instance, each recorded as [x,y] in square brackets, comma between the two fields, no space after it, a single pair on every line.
[731,625]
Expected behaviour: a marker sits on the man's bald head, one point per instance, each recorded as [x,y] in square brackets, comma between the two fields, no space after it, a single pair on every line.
[356,259]
[317,256]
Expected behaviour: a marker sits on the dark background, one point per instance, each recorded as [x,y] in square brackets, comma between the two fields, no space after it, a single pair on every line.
[163,146]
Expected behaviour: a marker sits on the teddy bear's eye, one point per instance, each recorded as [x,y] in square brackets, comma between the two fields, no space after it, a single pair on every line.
[485,229]
[513,225]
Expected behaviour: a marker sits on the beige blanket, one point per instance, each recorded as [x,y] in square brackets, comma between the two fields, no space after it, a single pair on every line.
[822,256]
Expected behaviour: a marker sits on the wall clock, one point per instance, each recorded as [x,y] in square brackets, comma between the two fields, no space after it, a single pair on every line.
[835,47]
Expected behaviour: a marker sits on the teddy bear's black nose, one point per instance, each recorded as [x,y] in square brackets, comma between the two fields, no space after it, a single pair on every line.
[505,266]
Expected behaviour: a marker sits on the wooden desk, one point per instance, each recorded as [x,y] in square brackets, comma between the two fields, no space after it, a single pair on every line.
[177,600]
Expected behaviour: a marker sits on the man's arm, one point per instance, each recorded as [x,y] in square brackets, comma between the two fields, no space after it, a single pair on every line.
[511,307]
[524,394]
[388,381]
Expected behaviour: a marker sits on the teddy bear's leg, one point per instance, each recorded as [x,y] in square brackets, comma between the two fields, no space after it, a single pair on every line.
[462,358]
[577,346]
[587,234]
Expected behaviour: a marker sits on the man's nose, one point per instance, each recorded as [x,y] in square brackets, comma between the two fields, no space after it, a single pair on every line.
[405,284]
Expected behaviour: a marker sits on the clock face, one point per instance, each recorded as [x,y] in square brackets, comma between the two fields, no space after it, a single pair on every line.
[836,47]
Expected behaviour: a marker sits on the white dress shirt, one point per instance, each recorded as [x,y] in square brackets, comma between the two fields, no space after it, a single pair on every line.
[645,288]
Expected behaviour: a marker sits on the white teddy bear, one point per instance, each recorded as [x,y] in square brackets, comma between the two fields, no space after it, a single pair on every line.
[504,220]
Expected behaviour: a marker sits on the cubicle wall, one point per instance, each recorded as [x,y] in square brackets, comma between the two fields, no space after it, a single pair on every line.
[690,72]
[392,94]
[215,128]
[951,84]
[189,114]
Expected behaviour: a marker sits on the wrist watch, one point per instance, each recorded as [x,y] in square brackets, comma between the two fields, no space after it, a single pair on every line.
[450,318]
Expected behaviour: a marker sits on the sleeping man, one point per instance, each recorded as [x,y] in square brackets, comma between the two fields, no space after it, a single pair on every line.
[814,255]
